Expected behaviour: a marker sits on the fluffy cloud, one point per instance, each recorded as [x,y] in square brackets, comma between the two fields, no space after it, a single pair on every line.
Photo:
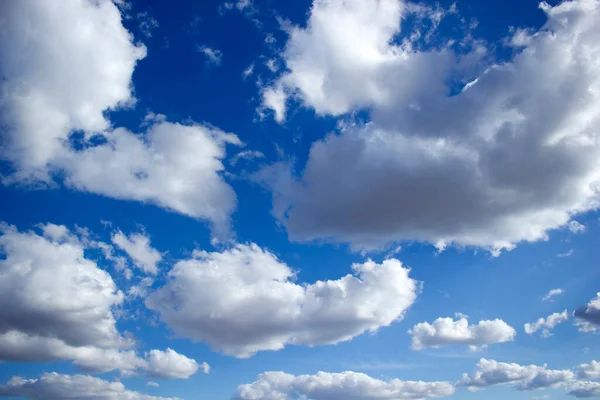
[49,289]
[506,160]
[344,385]
[170,364]
[63,64]
[589,371]
[552,293]
[46,98]
[253,303]
[588,316]
[174,166]
[530,377]
[344,59]
[62,387]
[56,304]
[448,332]
[137,246]
[547,324]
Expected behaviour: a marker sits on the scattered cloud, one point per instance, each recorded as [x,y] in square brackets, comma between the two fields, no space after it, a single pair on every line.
[449,332]
[138,248]
[552,293]
[146,23]
[589,371]
[546,324]
[213,56]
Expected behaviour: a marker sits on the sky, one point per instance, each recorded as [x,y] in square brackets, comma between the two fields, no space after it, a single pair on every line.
[308,200]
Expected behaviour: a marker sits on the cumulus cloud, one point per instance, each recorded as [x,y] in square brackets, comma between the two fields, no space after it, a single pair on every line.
[60,307]
[448,332]
[61,294]
[552,293]
[46,98]
[62,387]
[138,248]
[546,324]
[506,160]
[530,377]
[589,371]
[588,316]
[63,64]
[170,364]
[255,305]
[172,165]
[344,385]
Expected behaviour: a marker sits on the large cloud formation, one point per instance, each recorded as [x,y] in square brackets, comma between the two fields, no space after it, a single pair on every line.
[345,385]
[56,304]
[448,332]
[251,302]
[62,387]
[513,155]
[64,64]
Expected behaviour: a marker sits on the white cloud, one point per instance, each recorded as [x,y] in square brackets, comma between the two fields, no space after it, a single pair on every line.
[47,97]
[487,167]
[56,304]
[152,384]
[138,248]
[564,255]
[589,371]
[588,316]
[245,155]
[170,365]
[213,56]
[61,294]
[248,71]
[448,332]
[547,324]
[146,23]
[344,385]
[344,58]
[205,368]
[552,293]
[62,387]
[584,389]
[172,165]
[255,304]
[576,227]
[530,377]
[275,99]
[64,63]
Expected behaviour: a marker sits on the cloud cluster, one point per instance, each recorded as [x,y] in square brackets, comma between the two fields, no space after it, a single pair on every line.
[57,304]
[62,387]
[530,377]
[510,157]
[253,304]
[547,324]
[344,385]
[448,332]
[64,64]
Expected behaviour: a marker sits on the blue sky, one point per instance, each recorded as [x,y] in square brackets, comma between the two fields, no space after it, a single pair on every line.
[328,199]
